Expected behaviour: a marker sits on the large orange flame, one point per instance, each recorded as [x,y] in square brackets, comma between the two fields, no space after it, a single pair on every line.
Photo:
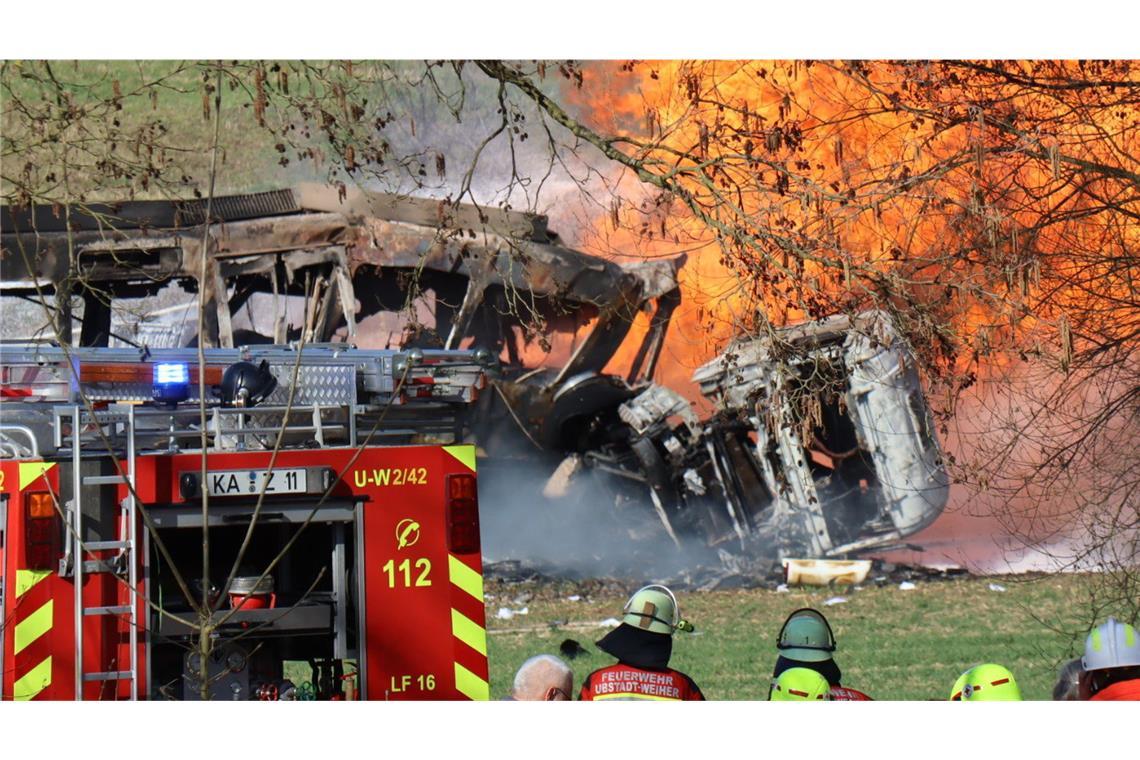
[944,189]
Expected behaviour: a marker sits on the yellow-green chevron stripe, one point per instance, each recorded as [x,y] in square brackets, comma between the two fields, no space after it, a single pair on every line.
[469,632]
[465,453]
[32,627]
[464,577]
[471,685]
[25,579]
[37,679]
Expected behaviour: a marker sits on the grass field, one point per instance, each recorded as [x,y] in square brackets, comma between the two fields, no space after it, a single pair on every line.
[247,161]
[893,644]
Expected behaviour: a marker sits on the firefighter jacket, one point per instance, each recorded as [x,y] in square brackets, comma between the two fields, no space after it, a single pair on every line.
[1121,691]
[826,668]
[622,681]
[847,694]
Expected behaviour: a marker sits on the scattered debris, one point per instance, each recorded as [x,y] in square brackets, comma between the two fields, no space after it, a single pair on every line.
[997,587]
[511,579]
[906,586]
[889,572]
[609,623]
[571,649]
[835,600]
[824,572]
[506,613]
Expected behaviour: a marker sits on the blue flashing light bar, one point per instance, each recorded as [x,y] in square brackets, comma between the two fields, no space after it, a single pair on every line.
[171,383]
[177,373]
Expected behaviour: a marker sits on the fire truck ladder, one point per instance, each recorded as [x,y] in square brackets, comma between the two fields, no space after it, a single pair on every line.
[126,546]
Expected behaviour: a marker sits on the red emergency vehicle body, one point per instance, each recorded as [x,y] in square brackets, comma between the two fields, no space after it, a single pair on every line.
[421,617]
[36,602]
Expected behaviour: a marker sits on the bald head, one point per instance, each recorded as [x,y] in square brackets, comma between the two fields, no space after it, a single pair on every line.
[543,677]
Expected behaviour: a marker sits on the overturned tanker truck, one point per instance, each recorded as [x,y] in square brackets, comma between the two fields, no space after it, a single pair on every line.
[340,265]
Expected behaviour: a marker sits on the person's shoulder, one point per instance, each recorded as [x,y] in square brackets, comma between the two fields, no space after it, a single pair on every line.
[681,673]
[847,694]
[1122,691]
[688,680]
[602,669]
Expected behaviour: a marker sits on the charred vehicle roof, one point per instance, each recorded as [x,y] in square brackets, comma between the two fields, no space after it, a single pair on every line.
[377,248]
[379,271]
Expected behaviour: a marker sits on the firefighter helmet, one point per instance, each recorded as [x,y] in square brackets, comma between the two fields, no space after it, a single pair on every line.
[986,683]
[246,384]
[956,689]
[800,685]
[806,637]
[653,608]
[1112,645]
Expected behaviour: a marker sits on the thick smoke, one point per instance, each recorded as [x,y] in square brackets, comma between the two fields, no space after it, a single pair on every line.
[1042,482]
[599,527]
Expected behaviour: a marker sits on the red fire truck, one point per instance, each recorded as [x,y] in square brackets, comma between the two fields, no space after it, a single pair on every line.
[321,502]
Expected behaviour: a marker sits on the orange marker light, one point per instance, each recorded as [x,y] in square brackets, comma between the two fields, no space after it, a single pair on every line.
[39,505]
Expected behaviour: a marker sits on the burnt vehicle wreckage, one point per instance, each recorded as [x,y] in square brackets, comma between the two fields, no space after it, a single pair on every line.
[820,443]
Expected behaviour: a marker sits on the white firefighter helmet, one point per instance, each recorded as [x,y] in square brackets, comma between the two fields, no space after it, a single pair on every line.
[1112,645]
[806,637]
[653,608]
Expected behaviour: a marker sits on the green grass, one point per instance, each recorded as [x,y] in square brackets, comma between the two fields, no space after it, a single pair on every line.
[160,104]
[893,644]
[247,161]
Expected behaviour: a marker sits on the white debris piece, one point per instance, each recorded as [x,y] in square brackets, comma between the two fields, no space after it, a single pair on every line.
[836,600]
[573,598]
[997,587]
[609,623]
[506,613]
[782,588]
[906,586]
[693,482]
[558,484]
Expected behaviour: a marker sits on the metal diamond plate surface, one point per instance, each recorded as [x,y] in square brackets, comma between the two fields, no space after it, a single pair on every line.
[325,385]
